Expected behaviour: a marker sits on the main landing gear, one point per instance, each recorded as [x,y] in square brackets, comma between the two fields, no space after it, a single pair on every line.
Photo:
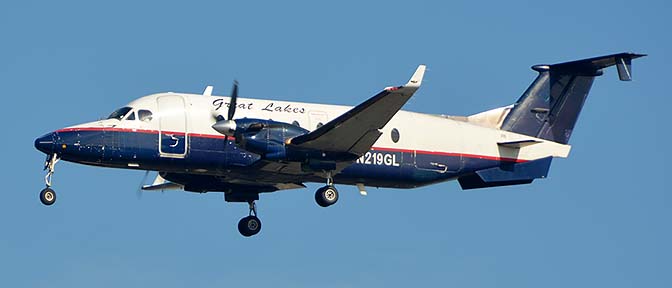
[327,195]
[250,225]
[48,195]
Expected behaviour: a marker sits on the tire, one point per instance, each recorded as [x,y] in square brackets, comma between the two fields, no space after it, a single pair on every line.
[326,196]
[249,226]
[47,196]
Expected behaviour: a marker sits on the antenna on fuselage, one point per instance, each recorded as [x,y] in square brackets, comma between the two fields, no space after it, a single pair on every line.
[208,91]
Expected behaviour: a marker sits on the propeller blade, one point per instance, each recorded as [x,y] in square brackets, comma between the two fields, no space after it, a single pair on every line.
[234,101]
[228,126]
[138,193]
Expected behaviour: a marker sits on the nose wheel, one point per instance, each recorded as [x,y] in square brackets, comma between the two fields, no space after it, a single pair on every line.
[250,225]
[48,195]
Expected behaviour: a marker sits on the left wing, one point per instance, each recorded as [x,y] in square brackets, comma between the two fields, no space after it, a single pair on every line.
[358,129]
[161,184]
[243,183]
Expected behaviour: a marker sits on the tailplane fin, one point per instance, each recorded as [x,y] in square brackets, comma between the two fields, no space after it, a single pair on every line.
[551,105]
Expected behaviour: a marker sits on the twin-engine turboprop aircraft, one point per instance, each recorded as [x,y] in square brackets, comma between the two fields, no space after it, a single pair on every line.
[244,147]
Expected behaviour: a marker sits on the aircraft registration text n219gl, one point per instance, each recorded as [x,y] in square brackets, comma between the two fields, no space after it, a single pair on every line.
[378,158]
[244,147]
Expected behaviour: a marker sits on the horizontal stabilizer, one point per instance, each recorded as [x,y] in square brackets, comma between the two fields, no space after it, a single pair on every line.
[593,65]
[508,174]
[519,143]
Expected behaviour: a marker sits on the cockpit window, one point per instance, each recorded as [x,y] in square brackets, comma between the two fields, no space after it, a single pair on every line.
[119,113]
[145,115]
[131,116]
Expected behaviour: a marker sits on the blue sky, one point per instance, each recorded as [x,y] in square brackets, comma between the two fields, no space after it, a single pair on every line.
[600,219]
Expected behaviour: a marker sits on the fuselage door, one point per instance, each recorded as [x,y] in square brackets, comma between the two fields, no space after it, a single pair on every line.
[172,126]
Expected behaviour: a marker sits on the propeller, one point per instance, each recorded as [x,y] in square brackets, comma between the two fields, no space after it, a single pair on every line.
[228,126]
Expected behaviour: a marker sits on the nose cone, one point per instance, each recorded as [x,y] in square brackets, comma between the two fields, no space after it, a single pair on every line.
[45,143]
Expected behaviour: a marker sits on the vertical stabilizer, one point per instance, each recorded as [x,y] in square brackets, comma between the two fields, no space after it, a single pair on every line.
[549,108]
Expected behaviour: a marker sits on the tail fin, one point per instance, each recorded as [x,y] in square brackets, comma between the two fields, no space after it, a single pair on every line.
[550,107]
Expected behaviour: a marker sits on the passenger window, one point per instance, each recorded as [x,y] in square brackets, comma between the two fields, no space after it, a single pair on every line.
[131,116]
[145,115]
[395,135]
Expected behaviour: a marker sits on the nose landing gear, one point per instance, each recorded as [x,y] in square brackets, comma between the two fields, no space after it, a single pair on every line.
[250,225]
[48,195]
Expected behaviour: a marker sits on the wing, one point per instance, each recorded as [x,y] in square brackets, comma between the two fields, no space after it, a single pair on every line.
[244,182]
[358,129]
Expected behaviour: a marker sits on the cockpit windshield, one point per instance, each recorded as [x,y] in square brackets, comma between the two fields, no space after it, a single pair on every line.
[119,113]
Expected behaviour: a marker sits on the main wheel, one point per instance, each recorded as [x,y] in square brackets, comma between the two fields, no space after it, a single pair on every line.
[47,196]
[326,196]
[250,225]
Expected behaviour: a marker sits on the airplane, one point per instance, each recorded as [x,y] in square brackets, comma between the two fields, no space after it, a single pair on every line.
[244,147]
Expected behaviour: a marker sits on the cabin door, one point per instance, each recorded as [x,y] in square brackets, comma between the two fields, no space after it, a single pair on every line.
[172,126]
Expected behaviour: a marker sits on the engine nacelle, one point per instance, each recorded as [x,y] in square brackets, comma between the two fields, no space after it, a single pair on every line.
[266,137]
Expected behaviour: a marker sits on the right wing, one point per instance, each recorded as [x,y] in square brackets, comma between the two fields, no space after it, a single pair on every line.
[357,130]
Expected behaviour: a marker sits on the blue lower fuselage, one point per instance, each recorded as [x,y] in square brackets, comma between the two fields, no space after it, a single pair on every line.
[214,156]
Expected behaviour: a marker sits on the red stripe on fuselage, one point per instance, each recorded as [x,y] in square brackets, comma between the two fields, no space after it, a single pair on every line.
[212,136]
[439,153]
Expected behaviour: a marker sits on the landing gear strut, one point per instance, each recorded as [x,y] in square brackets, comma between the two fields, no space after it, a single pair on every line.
[250,225]
[327,195]
[48,195]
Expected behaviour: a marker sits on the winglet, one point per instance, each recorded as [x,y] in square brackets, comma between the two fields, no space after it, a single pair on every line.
[416,79]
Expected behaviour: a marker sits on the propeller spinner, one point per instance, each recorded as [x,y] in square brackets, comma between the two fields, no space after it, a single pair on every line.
[228,126]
